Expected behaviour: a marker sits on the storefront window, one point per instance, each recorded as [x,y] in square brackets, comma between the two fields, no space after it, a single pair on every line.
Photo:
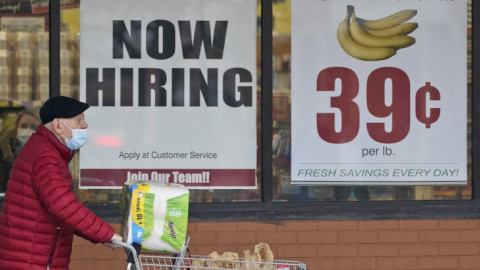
[69,55]
[283,189]
[24,77]
[24,85]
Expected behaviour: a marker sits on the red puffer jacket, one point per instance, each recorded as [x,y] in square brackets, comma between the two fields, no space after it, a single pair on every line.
[41,213]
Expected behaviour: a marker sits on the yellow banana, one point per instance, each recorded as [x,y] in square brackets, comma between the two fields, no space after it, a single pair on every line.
[389,21]
[400,29]
[356,50]
[364,38]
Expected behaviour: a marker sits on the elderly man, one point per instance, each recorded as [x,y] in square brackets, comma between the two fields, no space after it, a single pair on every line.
[41,214]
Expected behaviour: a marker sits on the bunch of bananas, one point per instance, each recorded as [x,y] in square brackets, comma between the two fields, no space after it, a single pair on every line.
[373,40]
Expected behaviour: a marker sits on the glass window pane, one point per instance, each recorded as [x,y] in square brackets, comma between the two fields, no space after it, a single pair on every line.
[24,76]
[283,190]
[70,86]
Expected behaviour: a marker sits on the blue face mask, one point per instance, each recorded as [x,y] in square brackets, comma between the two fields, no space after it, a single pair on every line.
[79,138]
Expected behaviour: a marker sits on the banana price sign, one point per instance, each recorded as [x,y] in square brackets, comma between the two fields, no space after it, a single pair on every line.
[379,92]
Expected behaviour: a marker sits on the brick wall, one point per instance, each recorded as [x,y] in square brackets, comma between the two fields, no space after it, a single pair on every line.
[385,244]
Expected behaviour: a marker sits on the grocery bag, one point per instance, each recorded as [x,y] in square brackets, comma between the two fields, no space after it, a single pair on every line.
[155,215]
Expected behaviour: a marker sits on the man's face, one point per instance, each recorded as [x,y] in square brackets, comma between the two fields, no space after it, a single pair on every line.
[76,122]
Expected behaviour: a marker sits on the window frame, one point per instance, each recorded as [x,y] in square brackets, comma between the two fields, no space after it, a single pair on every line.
[268,209]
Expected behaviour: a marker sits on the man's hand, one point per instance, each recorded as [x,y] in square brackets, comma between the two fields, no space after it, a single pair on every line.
[112,246]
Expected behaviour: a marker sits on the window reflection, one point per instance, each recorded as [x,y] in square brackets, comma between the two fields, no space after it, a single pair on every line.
[24,77]
[12,139]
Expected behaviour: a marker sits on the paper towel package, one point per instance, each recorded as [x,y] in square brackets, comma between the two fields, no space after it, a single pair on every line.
[155,215]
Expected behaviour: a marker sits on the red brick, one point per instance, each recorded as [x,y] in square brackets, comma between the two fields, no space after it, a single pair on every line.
[277,237]
[418,249]
[116,226]
[458,249]
[93,252]
[300,226]
[336,250]
[317,237]
[469,262]
[251,247]
[202,250]
[458,224]
[357,237]
[417,224]
[437,263]
[237,238]
[393,263]
[108,265]
[438,236]
[357,263]
[337,225]
[120,254]
[469,235]
[320,263]
[216,226]
[258,226]
[396,236]
[378,225]
[333,245]
[202,238]
[82,265]
[192,227]
[295,251]
[79,241]
[377,250]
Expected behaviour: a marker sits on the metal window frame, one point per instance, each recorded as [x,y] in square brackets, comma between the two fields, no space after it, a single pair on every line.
[268,210]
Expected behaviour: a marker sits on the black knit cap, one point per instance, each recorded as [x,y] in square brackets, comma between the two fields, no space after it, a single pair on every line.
[61,107]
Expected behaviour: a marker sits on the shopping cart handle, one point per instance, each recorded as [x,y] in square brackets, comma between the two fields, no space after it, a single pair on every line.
[131,254]
[130,248]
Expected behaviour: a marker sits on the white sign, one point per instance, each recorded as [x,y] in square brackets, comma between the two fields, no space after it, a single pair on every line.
[172,90]
[375,103]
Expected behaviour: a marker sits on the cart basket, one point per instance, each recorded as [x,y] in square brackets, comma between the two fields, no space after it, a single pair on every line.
[183,261]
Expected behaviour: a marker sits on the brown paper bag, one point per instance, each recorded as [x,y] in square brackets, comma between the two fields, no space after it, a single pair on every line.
[227,260]
[255,261]
[268,258]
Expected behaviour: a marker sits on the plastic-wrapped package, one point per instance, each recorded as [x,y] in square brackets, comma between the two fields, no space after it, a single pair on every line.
[155,215]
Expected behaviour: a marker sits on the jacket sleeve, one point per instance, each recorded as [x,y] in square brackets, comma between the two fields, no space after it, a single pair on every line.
[52,184]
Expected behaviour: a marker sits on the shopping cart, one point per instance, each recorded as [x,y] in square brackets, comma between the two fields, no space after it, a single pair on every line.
[184,261]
